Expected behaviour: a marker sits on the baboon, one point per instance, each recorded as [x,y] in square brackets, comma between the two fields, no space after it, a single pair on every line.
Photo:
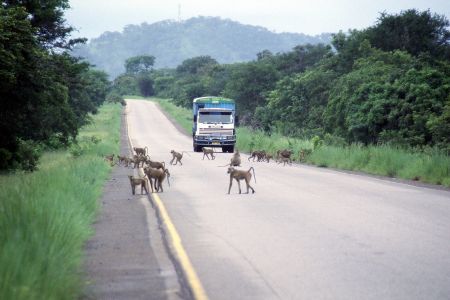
[261,155]
[207,152]
[256,155]
[122,159]
[158,175]
[285,160]
[128,161]
[235,160]
[284,153]
[160,178]
[138,181]
[155,164]
[269,157]
[137,160]
[141,151]
[304,153]
[110,158]
[239,175]
[176,156]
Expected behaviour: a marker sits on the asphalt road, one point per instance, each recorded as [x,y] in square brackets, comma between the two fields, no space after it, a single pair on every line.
[307,232]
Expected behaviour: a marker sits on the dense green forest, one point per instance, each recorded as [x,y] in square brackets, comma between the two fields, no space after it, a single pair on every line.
[46,94]
[389,83]
[172,42]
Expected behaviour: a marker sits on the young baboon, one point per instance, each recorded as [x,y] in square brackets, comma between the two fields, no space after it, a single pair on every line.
[285,160]
[269,157]
[122,159]
[137,160]
[261,155]
[110,158]
[141,151]
[256,155]
[238,175]
[176,156]
[304,153]
[208,152]
[138,181]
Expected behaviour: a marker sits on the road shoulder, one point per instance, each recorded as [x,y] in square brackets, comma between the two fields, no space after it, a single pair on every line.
[126,258]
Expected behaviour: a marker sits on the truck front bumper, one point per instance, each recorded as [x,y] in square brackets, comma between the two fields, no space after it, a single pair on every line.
[215,141]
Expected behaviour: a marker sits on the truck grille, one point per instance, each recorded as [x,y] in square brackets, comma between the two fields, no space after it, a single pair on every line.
[219,131]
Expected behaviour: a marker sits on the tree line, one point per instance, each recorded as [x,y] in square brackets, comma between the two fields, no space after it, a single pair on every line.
[388,83]
[46,94]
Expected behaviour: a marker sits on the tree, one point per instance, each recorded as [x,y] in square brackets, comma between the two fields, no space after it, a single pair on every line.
[137,64]
[249,83]
[296,105]
[301,58]
[44,93]
[412,31]
[389,97]
[145,83]
[197,65]
[48,20]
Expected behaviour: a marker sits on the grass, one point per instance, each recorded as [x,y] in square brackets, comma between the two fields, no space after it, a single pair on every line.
[430,167]
[46,215]
[181,115]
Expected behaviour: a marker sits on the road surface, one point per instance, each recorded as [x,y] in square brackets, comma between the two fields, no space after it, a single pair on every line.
[307,232]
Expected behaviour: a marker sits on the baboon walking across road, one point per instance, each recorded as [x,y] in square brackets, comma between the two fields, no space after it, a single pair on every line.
[238,175]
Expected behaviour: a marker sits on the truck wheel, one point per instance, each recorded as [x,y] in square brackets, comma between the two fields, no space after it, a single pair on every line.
[197,148]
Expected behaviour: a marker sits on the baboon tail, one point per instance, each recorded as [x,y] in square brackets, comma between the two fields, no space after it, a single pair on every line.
[254,175]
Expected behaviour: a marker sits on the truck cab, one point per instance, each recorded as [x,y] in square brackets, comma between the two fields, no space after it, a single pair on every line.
[214,123]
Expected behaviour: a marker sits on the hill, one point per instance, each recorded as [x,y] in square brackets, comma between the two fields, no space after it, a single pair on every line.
[172,42]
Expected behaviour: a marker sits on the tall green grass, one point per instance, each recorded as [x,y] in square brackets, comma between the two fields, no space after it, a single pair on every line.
[181,115]
[46,216]
[430,167]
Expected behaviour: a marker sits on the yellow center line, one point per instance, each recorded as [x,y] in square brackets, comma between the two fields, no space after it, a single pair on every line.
[192,278]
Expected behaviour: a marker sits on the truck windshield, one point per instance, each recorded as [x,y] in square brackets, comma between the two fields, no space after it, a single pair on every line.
[215,117]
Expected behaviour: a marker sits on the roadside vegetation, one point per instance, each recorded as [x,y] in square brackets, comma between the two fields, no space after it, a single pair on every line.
[372,101]
[372,86]
[46,94]
[46,215]
[430,165]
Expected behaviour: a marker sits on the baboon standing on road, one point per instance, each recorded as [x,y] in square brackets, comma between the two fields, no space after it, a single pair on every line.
[207,152]
[238,175]
[138,181]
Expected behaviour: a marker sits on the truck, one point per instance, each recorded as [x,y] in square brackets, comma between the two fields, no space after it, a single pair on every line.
[214,123]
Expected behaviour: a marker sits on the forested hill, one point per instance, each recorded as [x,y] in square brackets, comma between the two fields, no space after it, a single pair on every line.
[172,42]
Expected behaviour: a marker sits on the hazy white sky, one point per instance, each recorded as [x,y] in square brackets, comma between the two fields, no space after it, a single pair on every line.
[93,17]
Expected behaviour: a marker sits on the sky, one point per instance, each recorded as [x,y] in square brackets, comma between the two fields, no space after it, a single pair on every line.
[93,17]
